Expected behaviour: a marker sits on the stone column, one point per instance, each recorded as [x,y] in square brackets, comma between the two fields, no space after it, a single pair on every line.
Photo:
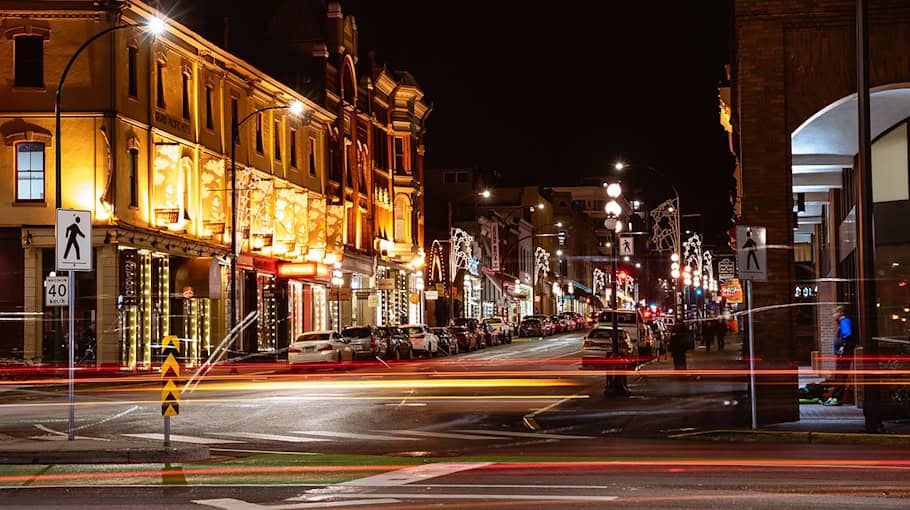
[107,287]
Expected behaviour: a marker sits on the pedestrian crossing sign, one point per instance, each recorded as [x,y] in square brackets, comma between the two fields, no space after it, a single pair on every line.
[73,230]
[751,253]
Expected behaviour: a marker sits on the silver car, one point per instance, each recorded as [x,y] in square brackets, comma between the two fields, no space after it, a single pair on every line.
[319,347]
[597,350]
[365,340]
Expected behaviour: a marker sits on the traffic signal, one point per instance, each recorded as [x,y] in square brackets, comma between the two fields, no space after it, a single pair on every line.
[561,236]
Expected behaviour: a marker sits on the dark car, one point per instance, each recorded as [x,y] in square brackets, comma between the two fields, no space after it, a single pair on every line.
[559,324]
[531,327]
[464,338]
[548,328]
[447,342]
[394,343]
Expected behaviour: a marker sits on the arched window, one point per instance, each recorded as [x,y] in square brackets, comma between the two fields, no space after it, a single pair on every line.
[402,219]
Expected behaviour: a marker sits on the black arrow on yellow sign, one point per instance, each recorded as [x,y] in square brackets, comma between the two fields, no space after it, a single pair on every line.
[170,370]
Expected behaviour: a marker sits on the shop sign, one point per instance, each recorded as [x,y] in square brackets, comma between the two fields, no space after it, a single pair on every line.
[431,295]
[290,270]
[373,301]
[129,276]
[414,299]
[385,284]
[732,291]
[494,250]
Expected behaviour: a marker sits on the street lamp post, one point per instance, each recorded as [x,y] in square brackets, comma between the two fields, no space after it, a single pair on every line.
[155,26]
[295,107]
[614,225]
[337,282]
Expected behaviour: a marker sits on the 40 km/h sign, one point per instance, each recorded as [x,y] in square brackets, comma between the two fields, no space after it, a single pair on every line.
[56,291]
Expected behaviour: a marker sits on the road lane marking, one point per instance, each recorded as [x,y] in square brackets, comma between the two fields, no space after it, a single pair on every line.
[238,504]
[522,497]
[268,437]
[351,435]
[184,439]
[540,435]
[413,474]
[54,435]
[443,435]
[274,452]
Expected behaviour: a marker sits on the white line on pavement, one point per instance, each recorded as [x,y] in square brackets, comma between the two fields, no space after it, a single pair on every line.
[183,439]
[444,435]
[523,497]
[54,435]
[237,504]
[413,474]
[540,435]
[268,437]
[351,435]
[273,452]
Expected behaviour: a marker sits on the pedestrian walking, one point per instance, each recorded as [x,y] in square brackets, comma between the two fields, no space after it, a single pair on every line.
[844,347]
[679,344]
[720,329]
[708,332]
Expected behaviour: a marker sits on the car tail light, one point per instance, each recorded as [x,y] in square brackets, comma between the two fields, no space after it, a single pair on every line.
[325,347]
[589,343]
[295,349]
[373,342]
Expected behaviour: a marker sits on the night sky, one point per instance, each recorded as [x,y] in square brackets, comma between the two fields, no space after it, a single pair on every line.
[548,93]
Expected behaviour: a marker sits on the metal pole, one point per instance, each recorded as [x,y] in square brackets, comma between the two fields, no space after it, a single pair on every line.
[754,403]
[866,252]
[167,431]
[71,350]
[451,270]
[234,225]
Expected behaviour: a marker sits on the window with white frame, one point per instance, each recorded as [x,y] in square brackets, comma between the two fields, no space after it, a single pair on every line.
[30,172]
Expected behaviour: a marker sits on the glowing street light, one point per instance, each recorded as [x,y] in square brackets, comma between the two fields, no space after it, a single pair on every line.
[614,190]
[619,166]
[485,193]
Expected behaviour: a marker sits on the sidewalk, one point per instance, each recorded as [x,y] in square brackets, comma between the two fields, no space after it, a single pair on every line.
[95,451]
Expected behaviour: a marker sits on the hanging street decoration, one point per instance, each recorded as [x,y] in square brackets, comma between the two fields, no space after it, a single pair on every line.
[542,258]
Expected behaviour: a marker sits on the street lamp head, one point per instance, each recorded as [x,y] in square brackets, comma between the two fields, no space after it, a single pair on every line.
[619,166]
[613,208]
[558,224]
[674,257]
[559,253]
[540,205]
[614,190]
[638,265]
[155,26]
[296,107]
[671,209]
[625,258]
[485,193]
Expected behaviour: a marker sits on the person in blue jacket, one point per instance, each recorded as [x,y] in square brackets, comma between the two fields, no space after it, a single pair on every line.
[844,347]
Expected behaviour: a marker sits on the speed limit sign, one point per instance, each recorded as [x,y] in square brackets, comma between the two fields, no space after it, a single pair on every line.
[56,291]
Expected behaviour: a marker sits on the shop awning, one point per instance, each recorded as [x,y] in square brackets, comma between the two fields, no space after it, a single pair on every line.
[197,277]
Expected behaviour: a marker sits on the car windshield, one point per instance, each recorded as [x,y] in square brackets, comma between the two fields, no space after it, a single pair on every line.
[601,333]
[621,317]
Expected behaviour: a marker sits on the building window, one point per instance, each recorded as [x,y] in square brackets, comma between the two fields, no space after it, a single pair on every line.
[134,177]
[462,177]
[159,78]
[380,149]
[30,172]
[399,153]
[293,148]
[209,119]
[29,61]
[277,136]
[312,156]
[448,178]
[234,120]
[259,148]
[186,96]
[132,63]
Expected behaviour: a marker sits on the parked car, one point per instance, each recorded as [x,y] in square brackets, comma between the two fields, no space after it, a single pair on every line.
[532,327]
[319,347]
[569,318]
[500,328]
[464,340]
[559,324]
[422,339]
[447,341]
[597,350]
[548,327]
[365,340]
[394,343]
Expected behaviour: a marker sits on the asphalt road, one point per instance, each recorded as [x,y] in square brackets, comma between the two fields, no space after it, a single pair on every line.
[523,425]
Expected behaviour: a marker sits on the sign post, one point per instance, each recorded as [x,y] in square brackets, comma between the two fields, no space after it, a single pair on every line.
[752,262]
[170,394]
[73,232]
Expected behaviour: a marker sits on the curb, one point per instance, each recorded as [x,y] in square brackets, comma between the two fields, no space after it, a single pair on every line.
[130,455]
[775,436]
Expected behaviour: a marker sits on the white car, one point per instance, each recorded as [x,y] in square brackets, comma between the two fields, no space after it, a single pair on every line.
[422,339]
[500,328]
[319,347]
[598,348]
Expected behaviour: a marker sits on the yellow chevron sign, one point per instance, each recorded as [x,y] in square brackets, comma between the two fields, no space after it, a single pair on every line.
[170,370]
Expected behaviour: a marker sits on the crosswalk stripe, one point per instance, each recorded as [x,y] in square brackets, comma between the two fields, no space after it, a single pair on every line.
[444,435]
[351,435]
[183,439]
[269,437]
[539,435]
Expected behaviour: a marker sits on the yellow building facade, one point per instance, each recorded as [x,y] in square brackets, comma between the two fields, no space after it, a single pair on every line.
[146,147]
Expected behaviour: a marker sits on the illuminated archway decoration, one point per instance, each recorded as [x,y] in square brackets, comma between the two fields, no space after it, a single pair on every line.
[542,258]
[437,272]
